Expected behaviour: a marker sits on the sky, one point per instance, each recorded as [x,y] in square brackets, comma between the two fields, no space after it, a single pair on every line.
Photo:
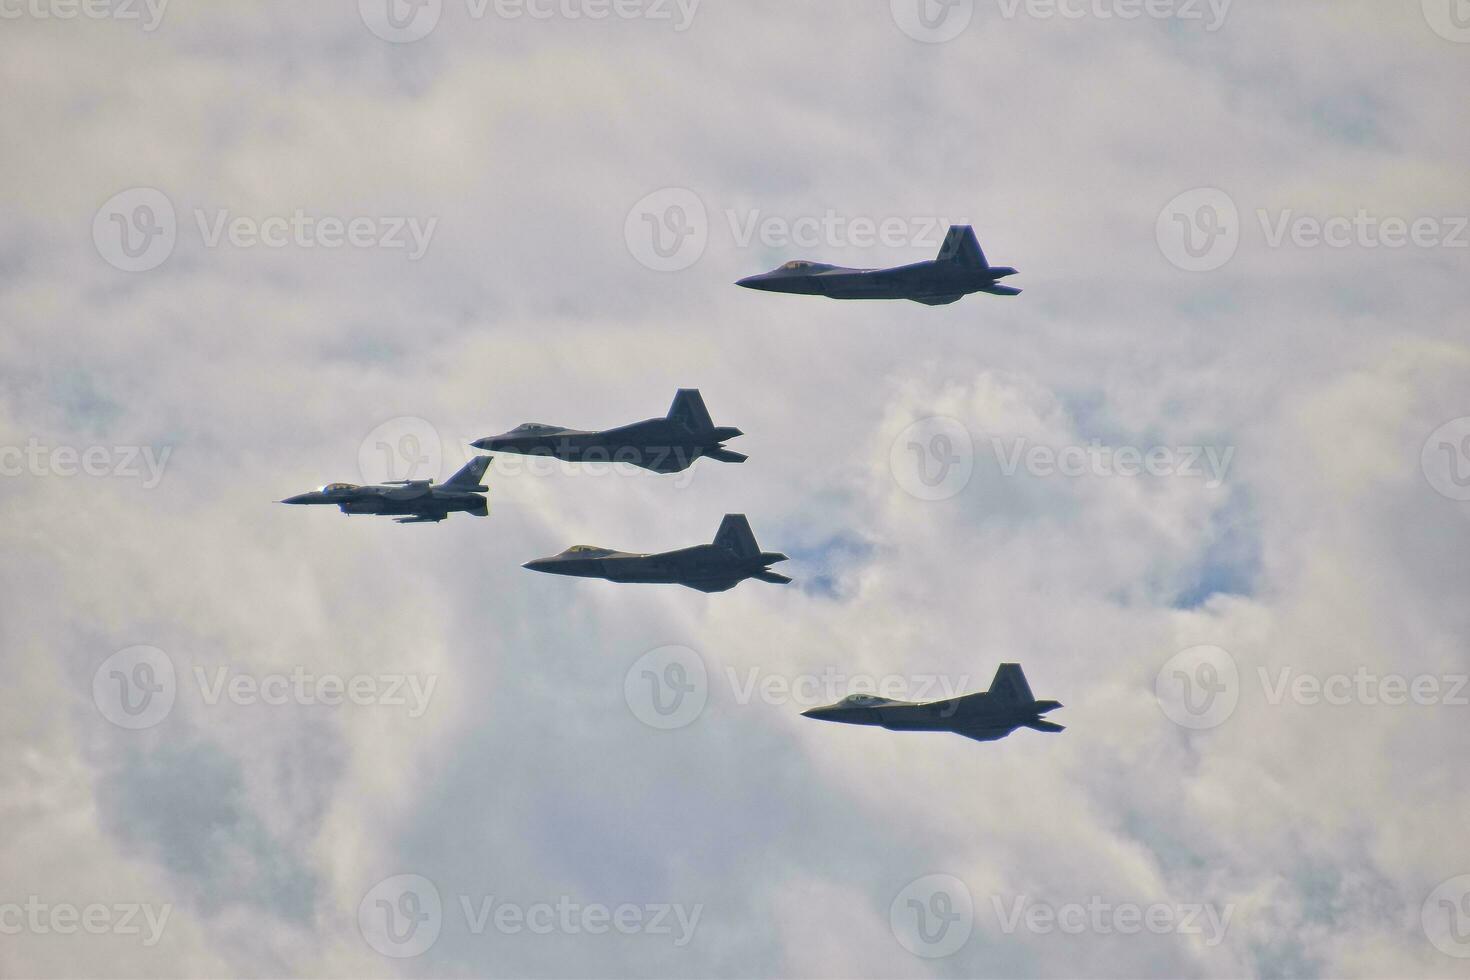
[1207,480]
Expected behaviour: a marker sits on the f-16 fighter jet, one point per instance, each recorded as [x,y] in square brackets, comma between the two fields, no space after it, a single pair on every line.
[667,445]
[961,269]
[1008,705]
[421,501]
[733,558]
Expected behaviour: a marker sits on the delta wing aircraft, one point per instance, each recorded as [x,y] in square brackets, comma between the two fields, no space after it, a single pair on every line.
[960,269]
[985,717]
[419,501]
[731,559]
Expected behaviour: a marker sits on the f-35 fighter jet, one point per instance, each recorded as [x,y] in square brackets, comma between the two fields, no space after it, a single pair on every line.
[421,501]
[961,269]
[1008,705]
[733,558]
[667,445]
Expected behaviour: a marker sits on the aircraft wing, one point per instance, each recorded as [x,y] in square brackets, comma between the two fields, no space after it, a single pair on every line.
[985,733]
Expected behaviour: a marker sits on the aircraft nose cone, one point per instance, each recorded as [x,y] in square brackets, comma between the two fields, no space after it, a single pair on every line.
[821,714]
[540,565]
[753,282]
[486,443]
[300,498]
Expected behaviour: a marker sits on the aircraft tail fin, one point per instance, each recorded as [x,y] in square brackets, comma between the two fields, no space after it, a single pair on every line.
[735,535]
[470,475]
[1010,685]
[962,248]
[688,409]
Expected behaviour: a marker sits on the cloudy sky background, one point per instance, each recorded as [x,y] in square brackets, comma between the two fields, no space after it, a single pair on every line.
[1327,549]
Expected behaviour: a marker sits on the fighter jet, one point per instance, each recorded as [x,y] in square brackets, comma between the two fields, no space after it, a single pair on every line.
[961,269]
[421,501]
[667,445]
[733,558]
[1008,705]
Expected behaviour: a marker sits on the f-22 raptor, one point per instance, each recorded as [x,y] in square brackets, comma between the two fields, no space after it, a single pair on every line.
[420,501]
[960,269]
[985,717]
[667,445]
[733,558]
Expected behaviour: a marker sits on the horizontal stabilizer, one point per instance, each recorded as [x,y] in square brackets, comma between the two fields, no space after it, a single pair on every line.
[998,290]
[776,578]
[725,456]
[1045,726]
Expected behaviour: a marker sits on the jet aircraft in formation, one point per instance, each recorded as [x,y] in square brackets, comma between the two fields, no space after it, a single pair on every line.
[960,269]
[985,717]
[671,444]
[731,559]
[667,445]
[420,501]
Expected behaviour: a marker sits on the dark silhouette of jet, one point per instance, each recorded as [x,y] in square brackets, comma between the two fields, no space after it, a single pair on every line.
[667,445]
[961,269]
[733,558]
[421,501]
[1008,705]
